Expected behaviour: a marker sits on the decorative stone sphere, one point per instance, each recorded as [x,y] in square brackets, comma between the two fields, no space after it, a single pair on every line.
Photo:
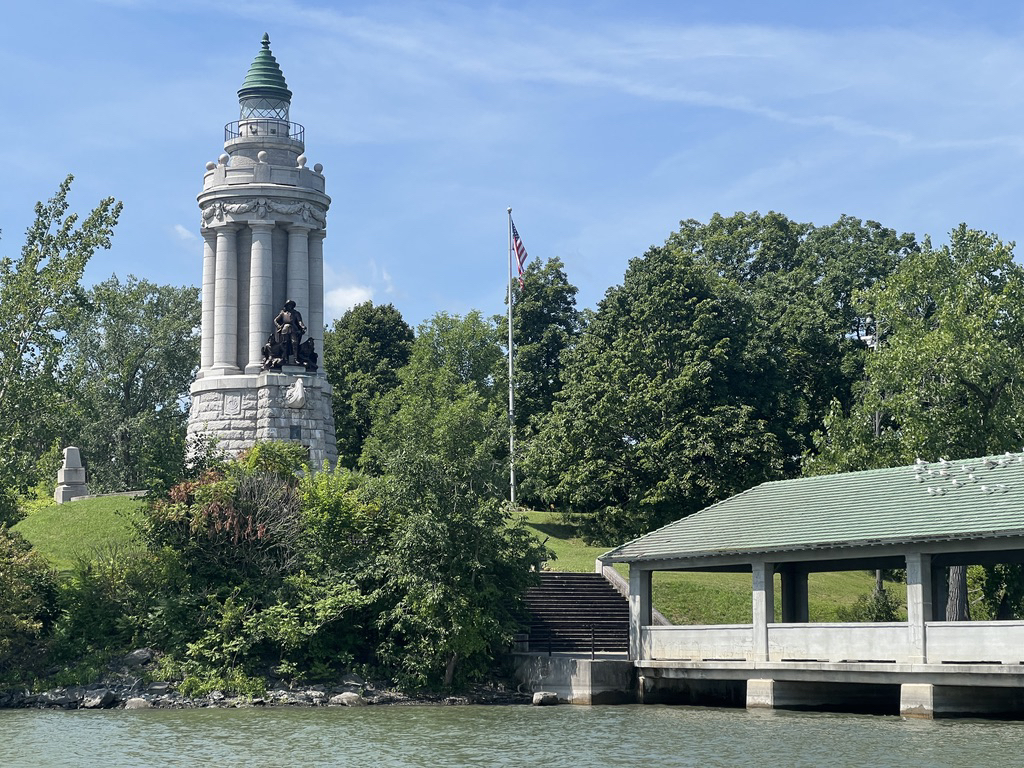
[319,167]
[301,160]
[211,165]
[223,159]
[262,156]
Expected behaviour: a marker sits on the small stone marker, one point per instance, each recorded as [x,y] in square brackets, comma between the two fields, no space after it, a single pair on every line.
[545,699]
[70,477]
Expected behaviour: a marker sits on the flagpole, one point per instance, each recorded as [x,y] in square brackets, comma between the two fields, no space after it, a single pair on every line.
[511,396]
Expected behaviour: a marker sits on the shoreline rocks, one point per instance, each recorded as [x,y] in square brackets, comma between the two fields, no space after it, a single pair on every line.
[162,695]
[122,687]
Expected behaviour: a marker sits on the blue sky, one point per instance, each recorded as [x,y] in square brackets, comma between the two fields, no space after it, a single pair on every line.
[603,124]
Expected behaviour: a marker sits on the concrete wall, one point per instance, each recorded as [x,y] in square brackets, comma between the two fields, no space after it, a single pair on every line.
[721,641]
[578,681]
[953,642]
[981,641]
[837,642]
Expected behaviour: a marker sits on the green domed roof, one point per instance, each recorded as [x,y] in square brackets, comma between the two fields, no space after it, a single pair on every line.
[265,77]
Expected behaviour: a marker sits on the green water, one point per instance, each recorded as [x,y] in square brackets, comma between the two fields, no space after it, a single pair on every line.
[497,736]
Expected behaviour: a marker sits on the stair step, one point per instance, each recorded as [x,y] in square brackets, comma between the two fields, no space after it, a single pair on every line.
[577,612]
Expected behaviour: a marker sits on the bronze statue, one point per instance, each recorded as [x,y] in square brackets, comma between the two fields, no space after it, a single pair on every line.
[273,354]
[289,331]
[285,345]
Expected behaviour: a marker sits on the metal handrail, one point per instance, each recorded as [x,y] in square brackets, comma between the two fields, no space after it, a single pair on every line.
[258,128]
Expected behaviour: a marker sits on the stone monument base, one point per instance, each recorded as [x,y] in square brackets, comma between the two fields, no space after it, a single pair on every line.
[70,477]
[241,410]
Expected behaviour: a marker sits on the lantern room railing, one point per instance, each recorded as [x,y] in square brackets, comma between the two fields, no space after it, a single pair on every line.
[264,128]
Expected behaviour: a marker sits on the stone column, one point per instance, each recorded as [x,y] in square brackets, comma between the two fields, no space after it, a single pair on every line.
[316,291]
[639,609]
[919,606]
[209,299]
[763,608]
[261,308]
[225,345]
[940,591]
[298,268]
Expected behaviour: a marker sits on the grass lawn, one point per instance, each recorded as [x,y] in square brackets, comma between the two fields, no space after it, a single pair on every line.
[66,533]
[688,597]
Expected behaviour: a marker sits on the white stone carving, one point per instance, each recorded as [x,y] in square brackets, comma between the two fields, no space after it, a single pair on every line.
[295,395]
[219,210]
[232,404]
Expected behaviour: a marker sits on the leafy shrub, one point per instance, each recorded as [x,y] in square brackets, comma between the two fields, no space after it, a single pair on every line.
[118,600]
[11,510]
[28,592]
[879,605]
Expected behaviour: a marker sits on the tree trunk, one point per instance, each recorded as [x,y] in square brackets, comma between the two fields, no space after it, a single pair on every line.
[957,607]
[449,670]
[878,581]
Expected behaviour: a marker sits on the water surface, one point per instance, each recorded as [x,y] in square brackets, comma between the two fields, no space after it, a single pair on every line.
[497,736]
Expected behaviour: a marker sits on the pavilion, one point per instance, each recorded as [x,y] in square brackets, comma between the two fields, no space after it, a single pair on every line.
[922,518]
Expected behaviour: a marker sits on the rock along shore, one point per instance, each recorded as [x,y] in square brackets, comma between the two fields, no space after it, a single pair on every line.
[124,690]
[160,695]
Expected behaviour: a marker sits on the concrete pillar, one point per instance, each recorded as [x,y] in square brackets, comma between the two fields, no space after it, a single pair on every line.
[919,605]
[760,694]
[639,609]
[209,299]
[917,700]
[316,291]
[298,268]
[763,608]
[940,592]
[225,344]
[261,308]
[794,596]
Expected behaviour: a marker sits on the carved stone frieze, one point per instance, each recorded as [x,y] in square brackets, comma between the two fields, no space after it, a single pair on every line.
[262,206]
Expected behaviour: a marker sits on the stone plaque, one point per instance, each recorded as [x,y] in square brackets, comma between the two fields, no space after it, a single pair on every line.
[232,404]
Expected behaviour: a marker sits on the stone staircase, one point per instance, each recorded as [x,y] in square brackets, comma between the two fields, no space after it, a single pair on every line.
[577,613]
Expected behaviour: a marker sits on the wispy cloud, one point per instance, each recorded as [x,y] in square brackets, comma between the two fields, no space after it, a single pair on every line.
[341,298]
[185,234]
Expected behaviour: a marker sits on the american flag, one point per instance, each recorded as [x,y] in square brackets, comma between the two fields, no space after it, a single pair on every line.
[521,255]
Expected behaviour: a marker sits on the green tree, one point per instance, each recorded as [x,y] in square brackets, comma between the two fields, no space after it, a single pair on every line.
[664,408]
[128,364]
[446,397]
[947,376]
[363,352]
[800,280]
[453,574]
[39,292]
[545,322]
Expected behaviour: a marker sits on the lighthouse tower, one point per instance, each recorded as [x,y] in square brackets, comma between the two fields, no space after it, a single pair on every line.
[264,218]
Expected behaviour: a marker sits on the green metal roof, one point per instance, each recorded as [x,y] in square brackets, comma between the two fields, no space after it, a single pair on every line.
[972,498]
[265,77]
